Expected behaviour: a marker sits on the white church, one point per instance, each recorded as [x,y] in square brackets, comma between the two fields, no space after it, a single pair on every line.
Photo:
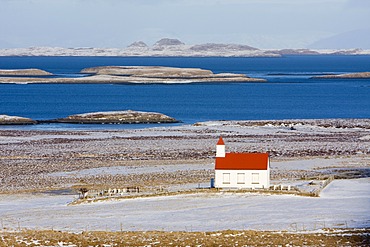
[241,170]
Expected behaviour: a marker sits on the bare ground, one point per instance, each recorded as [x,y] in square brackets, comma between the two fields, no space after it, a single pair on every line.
[349,237]
[27,158]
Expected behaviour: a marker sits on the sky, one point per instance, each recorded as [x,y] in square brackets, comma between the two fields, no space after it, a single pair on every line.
[117,23]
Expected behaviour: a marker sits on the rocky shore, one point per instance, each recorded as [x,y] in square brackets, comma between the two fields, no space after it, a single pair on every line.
[138,74]
[14,120]
[24,72]
[110,117]
[360,75]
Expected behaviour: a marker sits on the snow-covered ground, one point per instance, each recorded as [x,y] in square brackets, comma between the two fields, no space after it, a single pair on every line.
[344,203]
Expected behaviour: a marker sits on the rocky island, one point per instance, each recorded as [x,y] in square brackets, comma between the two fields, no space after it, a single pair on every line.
[108,117]
[138,74]
[169,47]
[14,120]
[24,72]
[152,72]
[359,75]
[158,74]
[117,117]
[165,47]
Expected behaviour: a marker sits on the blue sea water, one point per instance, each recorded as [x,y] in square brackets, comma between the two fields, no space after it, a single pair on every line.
[289,92]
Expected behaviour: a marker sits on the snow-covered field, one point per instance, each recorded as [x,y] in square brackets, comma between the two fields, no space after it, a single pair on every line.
[344,203]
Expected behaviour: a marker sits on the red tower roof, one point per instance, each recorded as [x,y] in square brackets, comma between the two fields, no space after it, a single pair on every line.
[243,161]
[220,141]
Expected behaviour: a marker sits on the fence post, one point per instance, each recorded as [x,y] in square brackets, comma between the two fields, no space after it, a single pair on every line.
[294,226]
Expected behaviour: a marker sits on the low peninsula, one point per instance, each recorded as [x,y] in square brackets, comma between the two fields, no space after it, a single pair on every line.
[139,75]
[24,72]
[108,117]
[359,75]
[15,120]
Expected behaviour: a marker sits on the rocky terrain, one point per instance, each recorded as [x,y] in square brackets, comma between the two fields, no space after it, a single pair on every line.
[14,120]
[221,47]
[178,155]
[153,72]
[173,47]
[24,72]
[296,52]
[166,73]
[162,48]
[360,75]
[113,117]
[138,74]
[117,117]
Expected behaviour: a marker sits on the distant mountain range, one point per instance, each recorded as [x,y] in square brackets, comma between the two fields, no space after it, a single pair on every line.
[173,47]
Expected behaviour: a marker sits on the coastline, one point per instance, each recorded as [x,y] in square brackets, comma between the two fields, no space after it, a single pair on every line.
[359,75]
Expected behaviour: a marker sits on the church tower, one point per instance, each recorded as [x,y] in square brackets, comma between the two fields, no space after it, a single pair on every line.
[220,148]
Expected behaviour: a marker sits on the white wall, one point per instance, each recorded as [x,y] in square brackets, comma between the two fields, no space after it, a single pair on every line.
[220,151]
[221,178]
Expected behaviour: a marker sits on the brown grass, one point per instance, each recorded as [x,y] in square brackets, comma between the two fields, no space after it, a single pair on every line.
[349,237]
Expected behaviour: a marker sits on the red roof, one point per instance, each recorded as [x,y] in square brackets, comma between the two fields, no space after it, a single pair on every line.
[220,141]
[243,161]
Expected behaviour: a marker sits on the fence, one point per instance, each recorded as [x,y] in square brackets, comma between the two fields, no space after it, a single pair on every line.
[11,224]
[316,192]
[85,193]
